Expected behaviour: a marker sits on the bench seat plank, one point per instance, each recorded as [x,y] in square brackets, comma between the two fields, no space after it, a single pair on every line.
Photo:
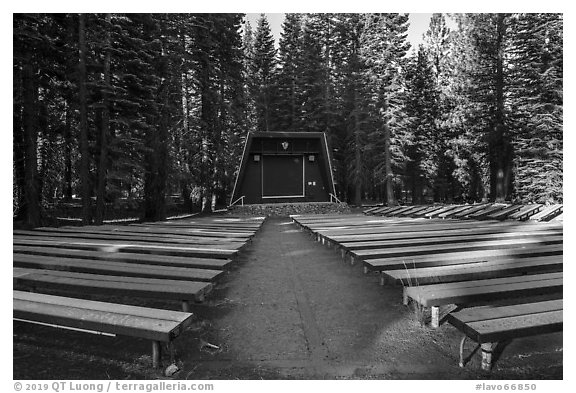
[414,211]
[442,239]
[192,230]
[441,210]
[148,259]
[117,285]
[113,268]
[427,210]
[473,271]
[371,209]
[483,214]
[166,232]
[502,214]
[453,211]
[482,313]
[415,226]
[364,254]
[468,291]
[524,228]
[455,258]
[112,240]
[123,247]
[513,327]
[471,210]
[130,236]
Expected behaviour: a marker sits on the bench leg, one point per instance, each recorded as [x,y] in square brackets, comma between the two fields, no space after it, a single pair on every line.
[352,260]
[461,363]
[366,270]
[172,352]
[405,298]
[156,353]
[185,306]
[487,349]
[435,316]
[464,360]
[343,252]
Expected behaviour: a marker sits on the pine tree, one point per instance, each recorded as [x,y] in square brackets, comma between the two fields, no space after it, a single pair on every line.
[536,102]
[422,100]
[439,45]
[489,38]
[248,58]
[290,81]
[384,47]
[262,75]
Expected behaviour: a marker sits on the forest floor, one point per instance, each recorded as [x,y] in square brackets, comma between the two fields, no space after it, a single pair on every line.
[289,309]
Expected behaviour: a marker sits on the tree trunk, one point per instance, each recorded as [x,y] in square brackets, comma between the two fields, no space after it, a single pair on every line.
[105,130]
[19,156]
[500,166]
[82,100]
[68,133]
[29,115]
[68,154]
[357,158]
[390,200]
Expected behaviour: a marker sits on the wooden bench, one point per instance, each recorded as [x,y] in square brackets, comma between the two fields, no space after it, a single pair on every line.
[441,238]
[441,209]
[408,251]
[149,231]
[392,210]
[422,213]
[201,251]
[465,292]
[415,211]
[133,237]
[472,271]
[455,258]
[489,325]
[183,291]
[371,209]
[547,213]
[470,210]
[160,326]
[502,214]
[128,257]
[448,232]
[453,211]
[525,212]
[114,268]
[483,214]
[114,239]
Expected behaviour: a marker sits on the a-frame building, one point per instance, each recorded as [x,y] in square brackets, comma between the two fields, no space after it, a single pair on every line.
[282,167]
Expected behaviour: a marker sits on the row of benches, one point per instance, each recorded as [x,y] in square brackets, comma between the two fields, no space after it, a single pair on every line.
[482,211]
[172,260]
[444,264]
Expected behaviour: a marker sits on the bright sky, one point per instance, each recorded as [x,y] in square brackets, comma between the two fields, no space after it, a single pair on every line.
[418,25]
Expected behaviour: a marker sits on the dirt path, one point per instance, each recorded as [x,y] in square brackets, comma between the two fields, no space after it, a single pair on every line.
[290,309]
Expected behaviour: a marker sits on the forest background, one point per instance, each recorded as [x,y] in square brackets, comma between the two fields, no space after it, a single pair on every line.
[134,111]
